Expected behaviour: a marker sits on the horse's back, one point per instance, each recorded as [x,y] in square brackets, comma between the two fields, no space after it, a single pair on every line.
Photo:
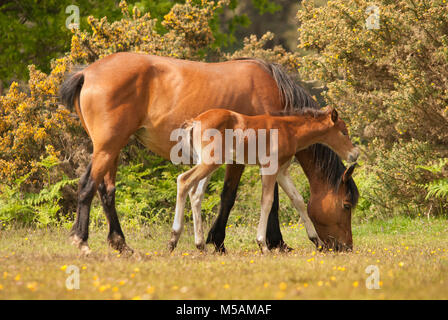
[128,91]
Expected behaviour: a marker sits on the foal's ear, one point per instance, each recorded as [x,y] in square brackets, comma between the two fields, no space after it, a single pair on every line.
[334,115]
[348,173]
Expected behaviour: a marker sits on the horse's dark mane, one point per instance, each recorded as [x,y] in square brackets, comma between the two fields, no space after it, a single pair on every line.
[293,95]
[315,113]
[330,165]
[297,99]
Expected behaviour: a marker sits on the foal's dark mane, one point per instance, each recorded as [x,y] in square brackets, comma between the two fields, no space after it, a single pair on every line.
[296,99]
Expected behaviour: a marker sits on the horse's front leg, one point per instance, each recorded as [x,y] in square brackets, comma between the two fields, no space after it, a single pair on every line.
[274,238]
[196,196]
[267,198]
[217,232]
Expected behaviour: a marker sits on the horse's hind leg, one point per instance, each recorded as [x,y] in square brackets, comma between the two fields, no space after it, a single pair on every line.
[196,196]
[106,191]
[80,230]
[102,161]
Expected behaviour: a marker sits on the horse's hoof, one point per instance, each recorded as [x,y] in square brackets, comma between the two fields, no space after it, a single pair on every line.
[220,249]
[127,250]
[80,244]
[285,248]
[85,250]
[117,242]
[75,240]
[320,245]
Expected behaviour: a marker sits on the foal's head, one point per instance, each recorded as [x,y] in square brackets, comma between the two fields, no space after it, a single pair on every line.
[335,136]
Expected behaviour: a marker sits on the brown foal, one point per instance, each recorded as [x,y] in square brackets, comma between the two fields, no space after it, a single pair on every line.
[288,134]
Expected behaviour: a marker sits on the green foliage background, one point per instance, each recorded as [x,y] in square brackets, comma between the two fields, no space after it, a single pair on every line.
[393,92]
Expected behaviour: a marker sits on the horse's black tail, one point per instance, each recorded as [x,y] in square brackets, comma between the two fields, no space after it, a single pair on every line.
[71,88]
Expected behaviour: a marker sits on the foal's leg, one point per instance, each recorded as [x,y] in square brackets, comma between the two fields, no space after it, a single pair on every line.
[106,192]
[196,196]
[217,232]
[267,198]
[185,182]
[287,185]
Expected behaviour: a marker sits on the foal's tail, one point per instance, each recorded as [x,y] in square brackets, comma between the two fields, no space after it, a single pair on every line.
[71,88]
[189,127]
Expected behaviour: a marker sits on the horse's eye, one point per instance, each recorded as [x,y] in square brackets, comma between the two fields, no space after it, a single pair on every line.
[347,206]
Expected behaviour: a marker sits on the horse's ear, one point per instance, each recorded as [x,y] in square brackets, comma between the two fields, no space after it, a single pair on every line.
[334,115]
[348,173]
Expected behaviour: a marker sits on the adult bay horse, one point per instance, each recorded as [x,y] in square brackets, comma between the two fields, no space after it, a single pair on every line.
[288,133]
[150,96]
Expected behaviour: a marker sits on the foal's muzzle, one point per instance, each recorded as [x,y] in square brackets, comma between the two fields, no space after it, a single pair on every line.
[353,155]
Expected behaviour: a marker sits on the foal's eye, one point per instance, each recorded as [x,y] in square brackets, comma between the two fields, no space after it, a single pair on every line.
[347,206]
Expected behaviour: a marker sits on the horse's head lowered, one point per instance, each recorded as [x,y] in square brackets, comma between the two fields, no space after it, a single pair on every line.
[331,211]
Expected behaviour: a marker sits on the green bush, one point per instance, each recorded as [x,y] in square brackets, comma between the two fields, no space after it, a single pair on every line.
[390,84]
[40,209]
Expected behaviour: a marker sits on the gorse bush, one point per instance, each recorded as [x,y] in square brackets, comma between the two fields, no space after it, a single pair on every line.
[34,125]
[390,82]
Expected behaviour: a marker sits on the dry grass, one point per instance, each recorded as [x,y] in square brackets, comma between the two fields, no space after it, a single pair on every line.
[411,255]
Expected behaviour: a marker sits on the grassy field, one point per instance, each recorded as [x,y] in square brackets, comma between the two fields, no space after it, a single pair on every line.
[411,257]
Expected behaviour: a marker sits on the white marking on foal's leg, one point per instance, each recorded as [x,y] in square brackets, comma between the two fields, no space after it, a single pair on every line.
[287,185]
[196,196]
[267,198]
[178,223]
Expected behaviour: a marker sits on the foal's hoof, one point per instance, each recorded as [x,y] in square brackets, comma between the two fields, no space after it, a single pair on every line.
[201,247]
[171,245]
[263,247]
